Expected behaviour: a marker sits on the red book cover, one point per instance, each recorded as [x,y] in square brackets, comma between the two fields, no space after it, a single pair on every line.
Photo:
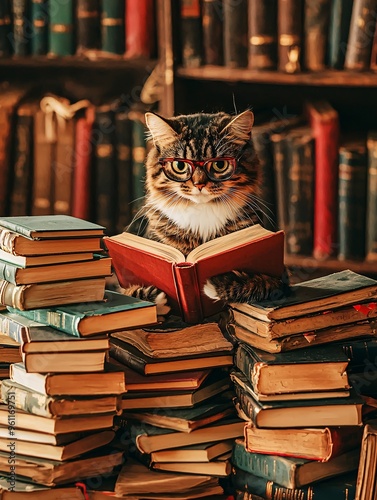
[81,175]
[324,121]
[141,261]
[140,28]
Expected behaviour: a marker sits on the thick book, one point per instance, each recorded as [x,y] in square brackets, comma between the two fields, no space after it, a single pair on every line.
[148,438]
[292,472]
[220,467]
[82,169]
[21,37]
[321,368]
[115,312]
[20,202]
[112,27]
[360,39]
[37,295]
[316,443]
[212,26]
[328,292]
[40,22]
[63,452]
[366,474]
[352,188]
[235,33]
[52,473]
[88,13]
[290,36]
[302,413]
[58,407]
[24,491]
[371,208]
[202,452]
[9,350]
[5,28]
[324,121]
[316,26]
[69,384]
[340,20]
[27,261]
[61,40]
[255,249]
[124,166]
[262,24]
[191,33]
[64,362]
[249,487]
[140,28]
[29,421]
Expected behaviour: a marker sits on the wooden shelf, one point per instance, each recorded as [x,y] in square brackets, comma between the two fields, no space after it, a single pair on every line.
[326,78]
[311,264]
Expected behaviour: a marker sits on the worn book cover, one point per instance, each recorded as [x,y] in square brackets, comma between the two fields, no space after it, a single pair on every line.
[88,14]
[20,38]
[316,26]
[290,36]
[235,33]
[360,40]
[262,34]
[191,33]
[212,26]
[340,19]
[40,22]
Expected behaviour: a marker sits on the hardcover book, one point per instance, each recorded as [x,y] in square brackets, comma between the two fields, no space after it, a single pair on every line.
[64,362]
[212,26]
[20,38]
[191,33]
[88,14]
[371,208]
[202,452]
[360,41]
[340,20]
[5,28]
[290,37]
[220,467]
[112,26]
[235,33]
[27,261]
[316,26]
[292,472]
[182,278]
[61,28]
[115,312]
[140,28]
[124,165]
[40,26]
[366,473]
[279,144]
[139,153]
[262,34]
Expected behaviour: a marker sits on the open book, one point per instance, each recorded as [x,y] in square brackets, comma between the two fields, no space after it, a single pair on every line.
[141,261]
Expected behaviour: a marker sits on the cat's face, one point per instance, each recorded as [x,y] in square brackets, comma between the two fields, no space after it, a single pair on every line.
[230,180]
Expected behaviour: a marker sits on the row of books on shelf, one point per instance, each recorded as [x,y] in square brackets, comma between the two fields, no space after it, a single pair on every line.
[94,28]
[290,36]
[319,184]
[72,158]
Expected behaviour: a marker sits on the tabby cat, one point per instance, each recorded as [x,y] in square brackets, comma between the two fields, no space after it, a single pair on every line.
[203,181]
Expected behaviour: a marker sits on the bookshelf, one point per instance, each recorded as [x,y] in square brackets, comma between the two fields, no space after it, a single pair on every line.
[210,88]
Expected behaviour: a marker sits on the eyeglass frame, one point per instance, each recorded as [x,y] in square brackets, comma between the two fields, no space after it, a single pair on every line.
[199,163]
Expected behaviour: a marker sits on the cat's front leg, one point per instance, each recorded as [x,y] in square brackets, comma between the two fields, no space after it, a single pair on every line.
[239,286]
[151,294]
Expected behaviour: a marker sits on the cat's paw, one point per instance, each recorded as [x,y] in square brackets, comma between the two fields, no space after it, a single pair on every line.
[163,307]
[151,294]
[210,290]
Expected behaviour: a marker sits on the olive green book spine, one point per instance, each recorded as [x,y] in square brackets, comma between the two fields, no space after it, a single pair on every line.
[371,215]
[40,23]
[262,34]
[61,29]
[235,33]
[112,26]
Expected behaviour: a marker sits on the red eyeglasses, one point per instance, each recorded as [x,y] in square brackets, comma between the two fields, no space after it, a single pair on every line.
[181,170]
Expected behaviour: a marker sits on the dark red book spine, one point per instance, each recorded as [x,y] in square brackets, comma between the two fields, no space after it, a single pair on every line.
[83,160]
[140,28]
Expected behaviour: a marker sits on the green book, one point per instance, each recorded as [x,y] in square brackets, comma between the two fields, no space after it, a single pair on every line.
[21,37]
[40,23]
[112,25]
[340,19]
[116,312]
[61,28]
[292,472]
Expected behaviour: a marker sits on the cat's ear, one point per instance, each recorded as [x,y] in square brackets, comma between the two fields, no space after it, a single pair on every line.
[161,132]
[239,128]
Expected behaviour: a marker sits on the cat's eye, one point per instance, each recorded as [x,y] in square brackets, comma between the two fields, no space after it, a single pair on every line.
[181,167]
[219,165]
[181,170]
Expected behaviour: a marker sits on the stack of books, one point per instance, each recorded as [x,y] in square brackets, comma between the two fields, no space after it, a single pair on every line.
[304,420]
[59,401]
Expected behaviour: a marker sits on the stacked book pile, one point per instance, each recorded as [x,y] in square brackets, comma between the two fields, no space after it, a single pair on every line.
[59,400]
[291,376]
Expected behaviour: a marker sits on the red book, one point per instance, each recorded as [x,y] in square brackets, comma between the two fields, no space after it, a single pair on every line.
[141,261]
[140,28]
[324,121]
[83,156]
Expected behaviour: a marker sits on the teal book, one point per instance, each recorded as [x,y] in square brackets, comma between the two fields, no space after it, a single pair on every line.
[340,19]
[371,209]
[116,312]
[50,226]
[61,28]
[292,472]
[21,19]
[248,485]
[5,28]
[40,23]
[112,26]
[352,186]
[319,294]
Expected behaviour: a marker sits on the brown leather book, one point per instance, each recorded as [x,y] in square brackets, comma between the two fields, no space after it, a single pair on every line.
[262,34]
[191,33]
[88,34]
[235,33]
[360,40]
[289,35]
[212,23]
[316,26]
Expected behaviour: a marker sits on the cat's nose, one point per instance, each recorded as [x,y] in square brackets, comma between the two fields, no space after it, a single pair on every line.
[199,186]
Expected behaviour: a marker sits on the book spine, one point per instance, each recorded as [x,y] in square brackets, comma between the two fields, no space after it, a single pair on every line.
[23,164]
[112,26]
[301,195]
[21,27]
[138,159]
[352,207]
[62,167]
[105,171]
[14,330]
[316,24]
[246,365]
[140,28]
[269,467]
[279,151]
[361,33]
[340,19]
[212,26]
[40,22]
[82,165]
[87,26]
[235,33]
[8,272]
[60,320]
[247,404]
[61,28]
[5,28]
[123,356]
[188,293]
[371,228]
[289,35]
[123,130]
[262,34]
[191,33]
[12,295]
[26,400]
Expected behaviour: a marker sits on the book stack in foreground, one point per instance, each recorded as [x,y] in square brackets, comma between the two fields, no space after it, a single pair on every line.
[304,420]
